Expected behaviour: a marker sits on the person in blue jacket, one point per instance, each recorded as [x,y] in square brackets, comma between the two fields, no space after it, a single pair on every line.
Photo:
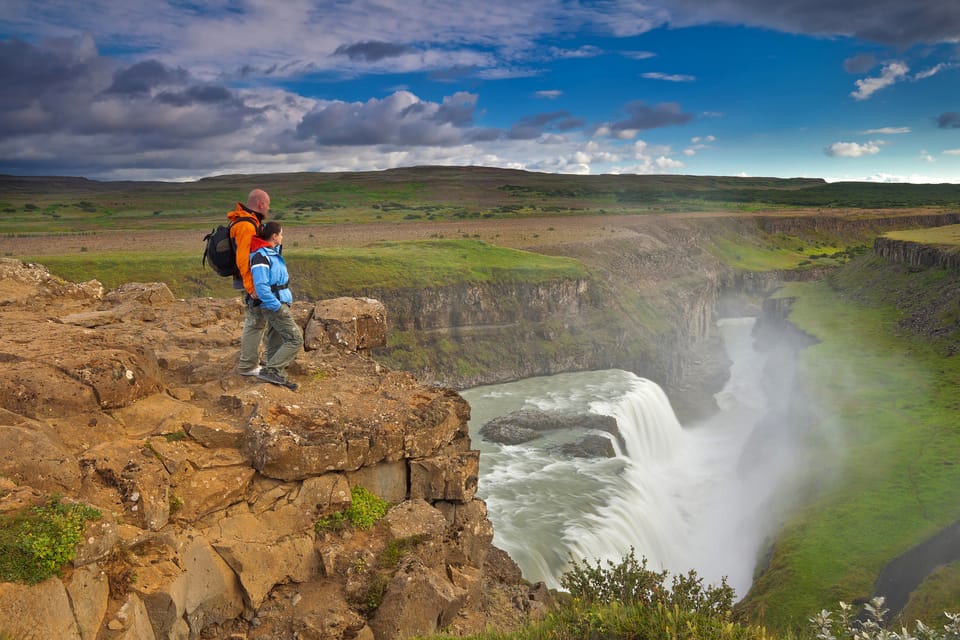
[271,282]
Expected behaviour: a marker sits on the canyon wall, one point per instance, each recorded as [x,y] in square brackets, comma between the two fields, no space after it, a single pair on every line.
[649,307]
[915,254]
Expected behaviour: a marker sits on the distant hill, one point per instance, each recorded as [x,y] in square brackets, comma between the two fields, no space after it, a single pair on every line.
[55,203]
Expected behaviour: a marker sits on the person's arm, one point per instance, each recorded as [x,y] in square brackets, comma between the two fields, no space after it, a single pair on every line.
[260,274]
[243,234]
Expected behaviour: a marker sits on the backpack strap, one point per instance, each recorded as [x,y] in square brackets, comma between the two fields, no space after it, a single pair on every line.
[256,225]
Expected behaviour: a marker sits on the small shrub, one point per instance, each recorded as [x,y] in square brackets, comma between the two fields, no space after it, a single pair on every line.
[630,583]
[365,508]
[332,522]
[36,543]
[376,589]
[397,548]
[869,625]
[364,511]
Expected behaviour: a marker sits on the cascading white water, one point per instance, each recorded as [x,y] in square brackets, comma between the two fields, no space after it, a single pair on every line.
[681,497]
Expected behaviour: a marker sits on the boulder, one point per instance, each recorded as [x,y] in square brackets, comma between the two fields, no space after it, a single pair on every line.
[39,611]
[30,457]
[39,390]
[214,434]
[184,590]
[415,518]
[156,414]
[590,446]
[89,592]
[132,621]
[355,324]
[451,477]
[132,475]
[202,480]
[469,534]
[386,480]
[524,425]
[33,284]
[118,377]
[99,539]
[266,551]
[419,601]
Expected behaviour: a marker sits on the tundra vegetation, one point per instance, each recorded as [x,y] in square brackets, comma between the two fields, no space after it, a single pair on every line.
[884,370]
[36,543]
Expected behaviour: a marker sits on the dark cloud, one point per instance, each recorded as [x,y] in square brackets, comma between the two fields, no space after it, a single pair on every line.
[371,50]
[143,77]
[640,115]
[68,110]
[949,120]
[534,126]
[399,119]
[891,22]
[207,94]
[485,134]
[457,109]
[44,85]
[860,63]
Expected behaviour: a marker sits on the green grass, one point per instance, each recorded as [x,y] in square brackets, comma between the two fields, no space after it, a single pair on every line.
[939,592]
[773,253]
[36,543]
[317,274]
[888,442]
[948,236]
[428,263]
[71,205]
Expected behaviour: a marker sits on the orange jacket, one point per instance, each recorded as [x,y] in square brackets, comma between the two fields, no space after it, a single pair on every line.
[241,235]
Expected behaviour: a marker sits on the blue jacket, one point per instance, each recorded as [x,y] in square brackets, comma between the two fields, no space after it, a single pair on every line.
[270,278]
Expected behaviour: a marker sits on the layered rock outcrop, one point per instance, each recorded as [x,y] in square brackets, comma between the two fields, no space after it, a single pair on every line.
[210,484]
[916,254]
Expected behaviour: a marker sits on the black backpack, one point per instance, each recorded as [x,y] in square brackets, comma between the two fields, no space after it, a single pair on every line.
[221,251]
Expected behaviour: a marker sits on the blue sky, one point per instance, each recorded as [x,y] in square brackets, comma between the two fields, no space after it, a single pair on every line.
[178,90]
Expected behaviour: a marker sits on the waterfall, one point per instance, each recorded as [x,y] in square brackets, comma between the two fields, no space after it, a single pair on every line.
[681,497]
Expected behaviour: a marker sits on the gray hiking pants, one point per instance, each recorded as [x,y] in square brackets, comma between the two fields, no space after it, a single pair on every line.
[284,339]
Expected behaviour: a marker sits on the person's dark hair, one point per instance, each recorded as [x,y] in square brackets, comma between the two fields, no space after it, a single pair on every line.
[270,228]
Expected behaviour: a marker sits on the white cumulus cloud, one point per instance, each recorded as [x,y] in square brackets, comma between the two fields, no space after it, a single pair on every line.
[892,73]
[853,149]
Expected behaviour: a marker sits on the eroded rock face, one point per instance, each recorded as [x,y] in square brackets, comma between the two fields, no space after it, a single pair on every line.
[210,484]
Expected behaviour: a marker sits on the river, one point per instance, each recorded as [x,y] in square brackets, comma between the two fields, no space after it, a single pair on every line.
[685,497]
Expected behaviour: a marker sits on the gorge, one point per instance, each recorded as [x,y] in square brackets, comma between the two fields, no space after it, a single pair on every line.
[644,313]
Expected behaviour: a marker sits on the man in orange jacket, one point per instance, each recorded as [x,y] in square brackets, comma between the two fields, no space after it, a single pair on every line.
[255,211]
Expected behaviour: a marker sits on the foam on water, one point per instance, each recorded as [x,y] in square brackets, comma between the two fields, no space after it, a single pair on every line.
[681,497]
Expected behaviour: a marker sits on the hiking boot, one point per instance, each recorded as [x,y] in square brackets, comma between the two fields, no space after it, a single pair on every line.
[274,378]
[251,372]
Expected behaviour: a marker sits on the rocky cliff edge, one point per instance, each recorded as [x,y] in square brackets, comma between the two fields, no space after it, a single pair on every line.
[210,484]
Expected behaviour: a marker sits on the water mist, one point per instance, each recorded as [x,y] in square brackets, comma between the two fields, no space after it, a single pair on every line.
[694,497]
